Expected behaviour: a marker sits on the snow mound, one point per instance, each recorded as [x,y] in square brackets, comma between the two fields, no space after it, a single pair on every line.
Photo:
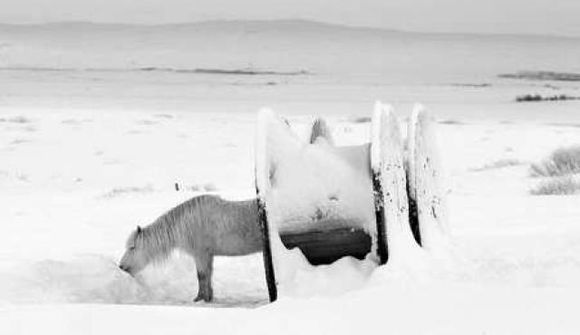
[97,279]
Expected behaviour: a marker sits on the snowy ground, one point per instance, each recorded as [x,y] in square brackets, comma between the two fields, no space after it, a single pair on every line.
[86,156]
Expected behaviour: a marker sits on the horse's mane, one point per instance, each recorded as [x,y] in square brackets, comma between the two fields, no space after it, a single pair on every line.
[160,237]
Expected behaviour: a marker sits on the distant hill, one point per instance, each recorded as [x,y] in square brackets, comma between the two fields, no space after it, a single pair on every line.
[224,25]
[282,46]
[242,25]
[295,26]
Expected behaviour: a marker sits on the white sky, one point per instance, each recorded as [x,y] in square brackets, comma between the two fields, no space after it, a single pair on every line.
[560,17]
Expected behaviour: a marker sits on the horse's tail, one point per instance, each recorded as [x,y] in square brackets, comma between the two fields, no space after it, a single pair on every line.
[320,129]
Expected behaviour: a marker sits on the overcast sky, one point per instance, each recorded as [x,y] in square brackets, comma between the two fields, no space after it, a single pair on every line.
[560,17]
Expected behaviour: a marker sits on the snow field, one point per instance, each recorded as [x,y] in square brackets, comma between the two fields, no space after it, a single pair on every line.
[514,256]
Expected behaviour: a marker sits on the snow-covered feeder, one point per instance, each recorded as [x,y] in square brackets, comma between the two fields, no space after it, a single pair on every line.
[313,196]
[319,203]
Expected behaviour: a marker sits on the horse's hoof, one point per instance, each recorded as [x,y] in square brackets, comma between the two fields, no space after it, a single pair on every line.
[201,298]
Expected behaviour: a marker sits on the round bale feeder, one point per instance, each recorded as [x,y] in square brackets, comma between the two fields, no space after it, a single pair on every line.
[335,201]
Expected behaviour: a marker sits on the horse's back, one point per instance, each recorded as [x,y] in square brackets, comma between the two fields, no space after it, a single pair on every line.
[225,227]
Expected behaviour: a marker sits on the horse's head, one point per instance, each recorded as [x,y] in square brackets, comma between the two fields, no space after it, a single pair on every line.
[134,259]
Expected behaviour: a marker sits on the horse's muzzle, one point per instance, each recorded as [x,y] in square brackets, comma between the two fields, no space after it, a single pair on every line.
[125,268]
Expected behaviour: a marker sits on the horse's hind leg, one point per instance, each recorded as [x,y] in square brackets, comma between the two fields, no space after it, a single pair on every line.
[204,266]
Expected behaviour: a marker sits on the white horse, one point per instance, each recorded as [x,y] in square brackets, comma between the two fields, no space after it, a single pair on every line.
[203,227]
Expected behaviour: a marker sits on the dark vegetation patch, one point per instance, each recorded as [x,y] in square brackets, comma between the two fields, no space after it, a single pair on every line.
[246,72]
[472,85]
[538,98]
[542,75]
[360,119]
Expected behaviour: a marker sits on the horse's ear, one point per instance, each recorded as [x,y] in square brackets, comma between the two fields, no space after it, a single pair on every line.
[139,230]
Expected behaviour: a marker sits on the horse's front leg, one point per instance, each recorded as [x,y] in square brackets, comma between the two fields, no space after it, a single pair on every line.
[204,267]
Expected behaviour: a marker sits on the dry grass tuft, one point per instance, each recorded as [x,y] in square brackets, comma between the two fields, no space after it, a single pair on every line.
[557,186]
[561,162]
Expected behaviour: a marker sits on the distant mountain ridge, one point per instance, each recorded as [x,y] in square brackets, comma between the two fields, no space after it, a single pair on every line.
[286,24]
[290,23]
